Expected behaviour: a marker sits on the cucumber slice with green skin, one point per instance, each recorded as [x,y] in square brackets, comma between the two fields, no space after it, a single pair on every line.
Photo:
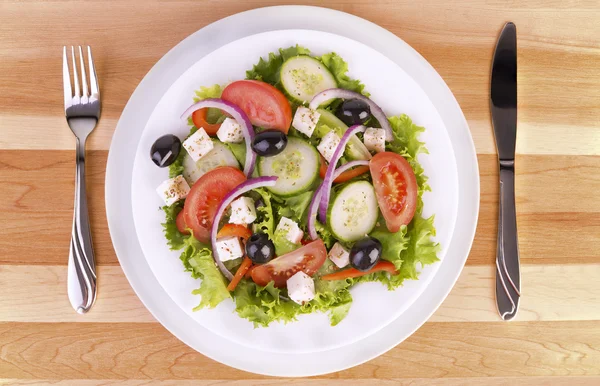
[297,167]
[354,211]
[303,77]
[220,155]
[355,150]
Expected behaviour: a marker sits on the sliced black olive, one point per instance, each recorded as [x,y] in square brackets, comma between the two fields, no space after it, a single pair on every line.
[165,150]
[269,143]
[365,254]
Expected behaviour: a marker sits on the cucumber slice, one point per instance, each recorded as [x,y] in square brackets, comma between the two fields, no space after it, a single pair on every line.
[303,77]
[297,167]
[220,155]
[354,211]
[355,150]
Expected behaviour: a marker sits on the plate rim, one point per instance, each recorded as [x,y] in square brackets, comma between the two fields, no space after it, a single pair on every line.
[176,57]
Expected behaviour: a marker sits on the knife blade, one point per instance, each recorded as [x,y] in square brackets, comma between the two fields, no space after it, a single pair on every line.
[503,106]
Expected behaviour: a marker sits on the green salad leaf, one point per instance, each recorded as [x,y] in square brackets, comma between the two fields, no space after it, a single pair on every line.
[213,287]
[282,244]
[214,91]
[265,221]
[238,150]
[175,240]
[295,207]
[339,69]
[262,305]
[268,70]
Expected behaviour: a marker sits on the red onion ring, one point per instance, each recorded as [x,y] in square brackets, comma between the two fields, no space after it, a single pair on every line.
[240,116]
[328,180]
[377,112]
[242,188]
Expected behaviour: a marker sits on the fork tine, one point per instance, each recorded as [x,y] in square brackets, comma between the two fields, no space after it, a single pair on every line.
[75,75]
[93,79]
[83,76]
[67,79]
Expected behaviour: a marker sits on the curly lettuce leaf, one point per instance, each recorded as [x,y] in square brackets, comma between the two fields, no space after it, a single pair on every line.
[213,287]
[262,305]
[176,168]
[295,207]
[238,150]
[393,244]
[268,70]
[406,143]
[175,240]
[265,221]
[339,69]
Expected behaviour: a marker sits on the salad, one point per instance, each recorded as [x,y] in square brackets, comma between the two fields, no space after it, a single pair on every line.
[292,187]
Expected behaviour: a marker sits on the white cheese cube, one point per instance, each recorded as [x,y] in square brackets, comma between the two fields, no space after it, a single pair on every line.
[292,231]
[173,190]
[305,120]
[243,211]
[375,139]
[328,145]
[339,255]
[229,248]
[230,131]
[198,144]
[301,288]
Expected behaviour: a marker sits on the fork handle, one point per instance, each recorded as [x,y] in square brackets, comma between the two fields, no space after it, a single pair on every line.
[81,276]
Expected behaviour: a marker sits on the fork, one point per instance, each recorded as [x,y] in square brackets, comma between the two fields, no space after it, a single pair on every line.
[82,110]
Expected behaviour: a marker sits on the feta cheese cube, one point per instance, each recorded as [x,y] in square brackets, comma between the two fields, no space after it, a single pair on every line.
[301,288]
[328,145]
[242,211]
[229,248]
[173,190]
[305,120]
[339,255]
[292,231]
[374,139]
[230,131]
[198,144]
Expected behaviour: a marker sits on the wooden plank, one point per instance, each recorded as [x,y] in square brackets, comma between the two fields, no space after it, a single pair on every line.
[449,350]
[555,101]
[488,381]
[550,293]
[552,195]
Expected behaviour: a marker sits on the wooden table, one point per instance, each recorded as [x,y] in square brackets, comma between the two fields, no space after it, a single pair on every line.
[556,337]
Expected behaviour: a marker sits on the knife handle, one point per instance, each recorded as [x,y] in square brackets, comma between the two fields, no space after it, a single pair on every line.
[508,276]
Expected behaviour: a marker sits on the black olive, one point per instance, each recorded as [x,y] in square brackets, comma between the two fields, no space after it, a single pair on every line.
[365,254]
[165,150]
[269,143]
[259,248]
[354,112]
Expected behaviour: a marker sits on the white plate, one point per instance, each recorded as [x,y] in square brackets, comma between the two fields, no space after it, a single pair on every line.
[374,306]
[309,346]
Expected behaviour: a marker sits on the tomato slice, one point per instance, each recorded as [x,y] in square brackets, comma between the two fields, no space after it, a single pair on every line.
[396,188]
[265,105]
[239,274]
[199,119]
[206,195]
[235,230]
[307,259]
[180,222]
[345,176]
[353,272]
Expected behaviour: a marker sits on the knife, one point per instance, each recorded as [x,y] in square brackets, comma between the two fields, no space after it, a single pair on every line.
[503,105]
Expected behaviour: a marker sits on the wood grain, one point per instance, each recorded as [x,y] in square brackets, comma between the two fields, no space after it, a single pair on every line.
[489,381]
[37,294]
[557,337]
[148,351]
